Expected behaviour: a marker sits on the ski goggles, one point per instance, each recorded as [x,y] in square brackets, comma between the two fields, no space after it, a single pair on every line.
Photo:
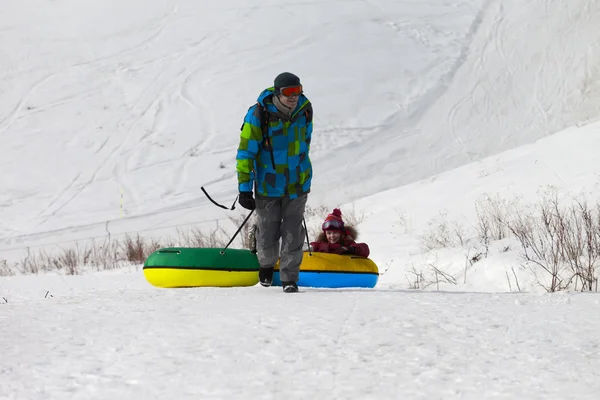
[333,225]
[290,91]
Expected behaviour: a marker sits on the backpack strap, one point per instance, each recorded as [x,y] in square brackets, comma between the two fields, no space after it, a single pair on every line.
[308,113]
[264,126]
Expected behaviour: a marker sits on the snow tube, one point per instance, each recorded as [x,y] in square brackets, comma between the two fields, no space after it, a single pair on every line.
[194,267]
[324,270]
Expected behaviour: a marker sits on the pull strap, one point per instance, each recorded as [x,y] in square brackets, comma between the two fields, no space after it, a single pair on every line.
[217,204]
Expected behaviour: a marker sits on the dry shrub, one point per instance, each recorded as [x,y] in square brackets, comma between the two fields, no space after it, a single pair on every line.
[442,233]
[563,241]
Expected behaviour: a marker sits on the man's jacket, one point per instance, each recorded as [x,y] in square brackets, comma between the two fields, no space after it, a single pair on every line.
[275,163]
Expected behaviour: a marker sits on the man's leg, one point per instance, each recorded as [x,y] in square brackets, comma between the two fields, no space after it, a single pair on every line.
[268,233]
[293,236]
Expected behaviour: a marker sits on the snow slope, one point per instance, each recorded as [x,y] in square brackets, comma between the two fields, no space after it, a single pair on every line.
[120,112]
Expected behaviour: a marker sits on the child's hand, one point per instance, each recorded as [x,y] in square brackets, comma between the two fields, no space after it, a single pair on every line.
[346,250]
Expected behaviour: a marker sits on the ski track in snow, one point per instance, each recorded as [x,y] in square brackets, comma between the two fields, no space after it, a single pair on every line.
[428,98]
[468,99]
[198,50]
[74,189]
[17,111]
[127,151]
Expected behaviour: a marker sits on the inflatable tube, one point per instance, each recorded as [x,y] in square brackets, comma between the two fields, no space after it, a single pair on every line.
[193,267]
[324,270]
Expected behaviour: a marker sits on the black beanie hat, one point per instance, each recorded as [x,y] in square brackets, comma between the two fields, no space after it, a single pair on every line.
[286,79]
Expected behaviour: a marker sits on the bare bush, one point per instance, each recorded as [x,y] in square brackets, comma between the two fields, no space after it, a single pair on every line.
[441,276]
[484,230]
[579,241]
[137,250]
[540,243]
[442,234]
[560,244]
[134,249]
[4,269]
[215,238]
[69,259]
[516,279]
[404,221]
[32,264]
[105,255]
[197,238]
[562,241]
[352,218]
[314,217]
[109,253]
[319,212]
[429,275]
[469,261]
[492,211]
[417,281]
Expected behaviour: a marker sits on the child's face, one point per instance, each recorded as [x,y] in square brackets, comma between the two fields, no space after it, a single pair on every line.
[333,236]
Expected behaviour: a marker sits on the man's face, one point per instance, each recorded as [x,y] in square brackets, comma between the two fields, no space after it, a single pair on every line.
[290,102]
[289,95]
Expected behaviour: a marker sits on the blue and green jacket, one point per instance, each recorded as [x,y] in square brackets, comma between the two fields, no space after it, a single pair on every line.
[277,164]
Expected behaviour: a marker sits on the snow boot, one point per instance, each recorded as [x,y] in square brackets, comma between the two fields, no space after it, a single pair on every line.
[265,276]
[289,287]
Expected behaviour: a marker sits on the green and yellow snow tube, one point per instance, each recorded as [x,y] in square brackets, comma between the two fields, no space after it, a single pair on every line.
[195,267]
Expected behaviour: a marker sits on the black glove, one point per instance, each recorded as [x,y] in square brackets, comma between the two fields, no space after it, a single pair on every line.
[247,201]
[347,250]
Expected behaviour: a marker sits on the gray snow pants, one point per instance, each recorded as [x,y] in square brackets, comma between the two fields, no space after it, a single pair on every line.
[280,218]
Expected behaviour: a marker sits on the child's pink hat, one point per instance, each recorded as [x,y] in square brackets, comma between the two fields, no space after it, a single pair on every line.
[334,221]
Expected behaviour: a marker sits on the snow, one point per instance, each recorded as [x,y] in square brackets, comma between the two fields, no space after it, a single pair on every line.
[111,336]
[114,114]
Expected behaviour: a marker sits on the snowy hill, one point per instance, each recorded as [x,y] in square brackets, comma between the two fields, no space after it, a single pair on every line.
[113,115]
[125,110]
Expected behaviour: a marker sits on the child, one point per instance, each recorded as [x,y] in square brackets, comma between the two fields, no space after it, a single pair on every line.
[337,238]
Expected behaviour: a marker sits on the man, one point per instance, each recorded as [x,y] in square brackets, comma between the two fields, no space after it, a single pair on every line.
[272,160]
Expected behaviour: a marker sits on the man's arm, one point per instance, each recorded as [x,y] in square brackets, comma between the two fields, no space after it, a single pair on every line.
[250,141]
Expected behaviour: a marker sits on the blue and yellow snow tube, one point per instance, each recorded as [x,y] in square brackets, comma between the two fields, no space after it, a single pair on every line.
[194,267]
[324,270]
